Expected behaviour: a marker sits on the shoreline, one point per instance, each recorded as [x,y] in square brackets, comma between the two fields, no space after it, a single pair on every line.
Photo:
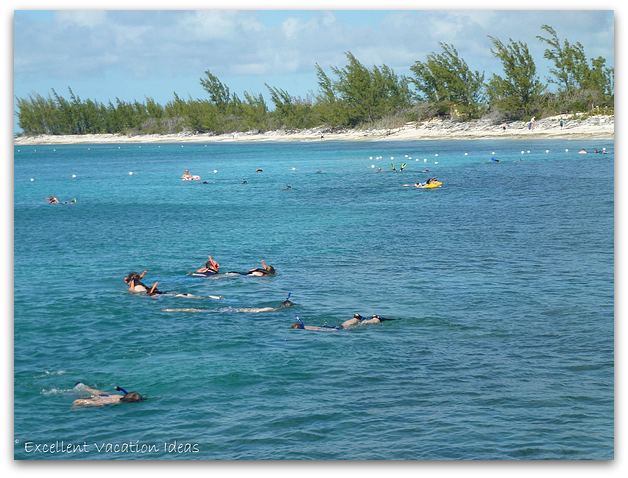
[593,127]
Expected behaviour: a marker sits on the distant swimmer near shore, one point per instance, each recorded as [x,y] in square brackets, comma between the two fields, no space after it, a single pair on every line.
[98,398]
[187,176]
[431,183]
[55,200]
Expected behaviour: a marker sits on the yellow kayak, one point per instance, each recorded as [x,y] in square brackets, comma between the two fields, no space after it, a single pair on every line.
[432,185]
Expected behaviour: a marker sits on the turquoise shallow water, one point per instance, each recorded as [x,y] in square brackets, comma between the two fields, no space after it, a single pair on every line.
[501,281]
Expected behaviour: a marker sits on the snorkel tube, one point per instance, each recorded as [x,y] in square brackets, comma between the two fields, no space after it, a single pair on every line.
[120,389]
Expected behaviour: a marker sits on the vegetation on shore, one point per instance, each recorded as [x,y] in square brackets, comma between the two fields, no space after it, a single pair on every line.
[353,95]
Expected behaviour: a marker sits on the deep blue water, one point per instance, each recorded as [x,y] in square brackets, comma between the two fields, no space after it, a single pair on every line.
[501,283]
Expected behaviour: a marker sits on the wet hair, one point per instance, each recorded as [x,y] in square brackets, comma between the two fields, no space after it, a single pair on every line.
[133,276]
[297,325]
[358,316]
[287,303]
[270,269]
[132,397]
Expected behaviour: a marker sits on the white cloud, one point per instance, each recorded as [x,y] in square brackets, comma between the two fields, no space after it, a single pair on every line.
[217,24]
[291,27]
[81,18]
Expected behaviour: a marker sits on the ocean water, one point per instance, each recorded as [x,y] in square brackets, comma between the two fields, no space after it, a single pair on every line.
[501,284]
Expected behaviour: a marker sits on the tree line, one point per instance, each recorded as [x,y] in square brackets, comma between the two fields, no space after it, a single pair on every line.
[354,95]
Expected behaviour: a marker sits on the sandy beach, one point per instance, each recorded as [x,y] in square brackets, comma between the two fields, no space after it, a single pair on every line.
[592,127]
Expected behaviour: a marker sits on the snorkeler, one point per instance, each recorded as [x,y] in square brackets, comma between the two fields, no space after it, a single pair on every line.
[256,310]
[136,286]
[211,267]
[357,319]
[265,270]
[53,200]
[98,398]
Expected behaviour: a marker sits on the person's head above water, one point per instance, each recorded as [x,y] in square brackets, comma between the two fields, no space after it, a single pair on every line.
[132,276]
[297,325]
[132,397]
[287,303]
[358,316]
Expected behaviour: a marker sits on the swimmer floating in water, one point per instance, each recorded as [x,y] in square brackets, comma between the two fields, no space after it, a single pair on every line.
[257,310]
[98,398]
[356,320]
[136,286]
[265,270]
[211,267]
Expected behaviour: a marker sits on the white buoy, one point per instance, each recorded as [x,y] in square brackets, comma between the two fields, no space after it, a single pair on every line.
[416,159]
[140,146]
[466,154]
[32,179]
[392,157]
[54,150]
[425,160]
[293,169]
[18,150]
[546,151]
[74,176]
[436,155]
[372,166]
[523,152]
[130,173]
[493,153]
[215,171]
[435,162]
[566,150]
[89,149]
[528,151]
[405,155]
[118,147]
[35,150]
[370,157]
[182,146]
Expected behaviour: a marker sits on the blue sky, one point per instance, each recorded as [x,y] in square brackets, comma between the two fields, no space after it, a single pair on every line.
[133,54]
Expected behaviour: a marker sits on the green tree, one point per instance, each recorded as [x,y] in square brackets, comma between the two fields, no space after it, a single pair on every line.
[366,95]
[581,85]
[446,80]
[219,93]
[518,93]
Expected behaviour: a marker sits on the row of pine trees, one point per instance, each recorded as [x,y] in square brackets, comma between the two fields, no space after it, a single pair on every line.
[354,95]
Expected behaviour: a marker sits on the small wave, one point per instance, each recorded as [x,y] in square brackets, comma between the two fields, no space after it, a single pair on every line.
[51,373]
[56,391]
[185,310]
